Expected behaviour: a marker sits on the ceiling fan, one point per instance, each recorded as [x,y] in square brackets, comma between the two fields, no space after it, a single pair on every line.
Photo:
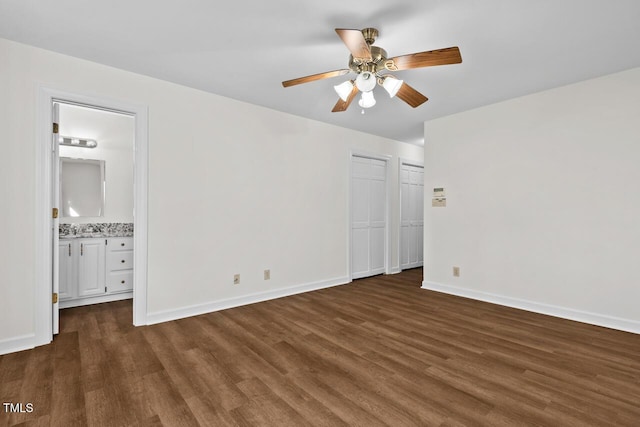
[371,64]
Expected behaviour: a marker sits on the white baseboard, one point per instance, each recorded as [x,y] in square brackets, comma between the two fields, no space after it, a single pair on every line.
[95,299]
[23,342]
[410,267]
[606,321]
[394,270]
[209,307]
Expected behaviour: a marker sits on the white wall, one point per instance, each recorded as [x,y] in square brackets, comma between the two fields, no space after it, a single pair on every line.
[114,134]
[542,202]
[233,188]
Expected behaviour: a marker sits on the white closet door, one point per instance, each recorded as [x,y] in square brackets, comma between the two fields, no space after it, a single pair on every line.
[368,216]
[412,216]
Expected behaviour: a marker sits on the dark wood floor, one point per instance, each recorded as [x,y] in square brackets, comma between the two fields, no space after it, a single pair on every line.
[380,351]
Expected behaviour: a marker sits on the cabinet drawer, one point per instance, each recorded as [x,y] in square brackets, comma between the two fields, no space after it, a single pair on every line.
[120,260]
[119,281]
[120,244]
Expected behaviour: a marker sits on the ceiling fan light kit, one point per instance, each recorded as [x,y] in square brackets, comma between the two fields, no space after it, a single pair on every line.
[367,100]
[391,85]
[366,81]
[370,62]
[344,89]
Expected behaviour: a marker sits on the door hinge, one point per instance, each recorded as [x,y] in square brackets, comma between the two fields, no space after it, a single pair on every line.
[55,128]
[54,213]
[55,298]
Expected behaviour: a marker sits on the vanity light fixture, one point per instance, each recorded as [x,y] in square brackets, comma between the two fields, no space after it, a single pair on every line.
[77,142]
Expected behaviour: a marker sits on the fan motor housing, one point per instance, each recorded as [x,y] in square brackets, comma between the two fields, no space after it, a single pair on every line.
[378,58]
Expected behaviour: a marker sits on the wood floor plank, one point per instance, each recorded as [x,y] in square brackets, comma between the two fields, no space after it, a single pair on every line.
[343,406]
[264,407]
[210,378]
[379,351]
[209,413]
[67,404]
[166,400]
[37,382]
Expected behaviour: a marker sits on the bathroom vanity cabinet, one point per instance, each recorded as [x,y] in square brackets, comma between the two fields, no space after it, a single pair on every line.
[95,270]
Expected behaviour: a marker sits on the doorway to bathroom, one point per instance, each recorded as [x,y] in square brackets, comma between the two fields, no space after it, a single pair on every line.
[92,205]
[94,163]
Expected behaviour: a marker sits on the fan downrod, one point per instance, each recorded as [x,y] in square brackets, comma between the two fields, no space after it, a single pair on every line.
[370,35]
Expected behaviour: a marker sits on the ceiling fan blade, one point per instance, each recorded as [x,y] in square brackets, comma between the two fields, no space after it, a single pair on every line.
[411,96]
[315,77]
[450,55]
[355,43]
[343,105]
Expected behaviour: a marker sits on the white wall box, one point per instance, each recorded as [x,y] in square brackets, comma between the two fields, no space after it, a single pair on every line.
[95,270]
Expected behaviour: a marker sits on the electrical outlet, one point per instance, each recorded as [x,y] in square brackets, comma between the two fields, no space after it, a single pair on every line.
[236,279]
[267,274]
[456,271]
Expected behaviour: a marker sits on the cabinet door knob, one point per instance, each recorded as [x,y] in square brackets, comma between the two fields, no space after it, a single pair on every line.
[121,244]
[122,261]
[122,282]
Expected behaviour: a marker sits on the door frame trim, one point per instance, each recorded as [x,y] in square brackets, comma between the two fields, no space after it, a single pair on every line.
[43,308]
[407,162]
[387,239]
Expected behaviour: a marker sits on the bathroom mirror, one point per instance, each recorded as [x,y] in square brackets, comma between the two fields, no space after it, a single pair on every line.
[82,187]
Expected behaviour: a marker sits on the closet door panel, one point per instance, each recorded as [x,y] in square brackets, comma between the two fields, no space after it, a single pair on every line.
[412,216]
[360,252]
[368,216]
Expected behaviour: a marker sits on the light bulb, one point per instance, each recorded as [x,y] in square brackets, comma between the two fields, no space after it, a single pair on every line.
[367,100]
[344,90]
[366,81]
[392,85]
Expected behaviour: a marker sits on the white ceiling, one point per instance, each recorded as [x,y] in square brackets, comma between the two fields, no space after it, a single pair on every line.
[244,49]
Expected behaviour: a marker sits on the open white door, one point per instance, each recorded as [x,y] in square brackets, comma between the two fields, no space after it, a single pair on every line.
[55,198]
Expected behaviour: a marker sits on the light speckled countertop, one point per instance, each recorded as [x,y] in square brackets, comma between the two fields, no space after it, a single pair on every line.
[95,230]
[94,235]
